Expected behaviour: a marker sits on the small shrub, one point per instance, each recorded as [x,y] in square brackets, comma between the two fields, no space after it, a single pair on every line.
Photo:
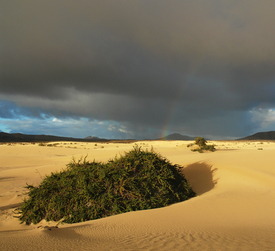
[200,141]
[202,146]
[42,144]
[90,190]
[209,148]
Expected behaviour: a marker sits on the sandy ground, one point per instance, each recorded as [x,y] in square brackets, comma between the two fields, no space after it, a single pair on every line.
[234,209]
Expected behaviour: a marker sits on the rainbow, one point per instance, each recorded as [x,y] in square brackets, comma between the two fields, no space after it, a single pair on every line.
[191,79]
[172,112]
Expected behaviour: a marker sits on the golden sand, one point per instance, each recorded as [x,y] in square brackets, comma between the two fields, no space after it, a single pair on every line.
[234,209]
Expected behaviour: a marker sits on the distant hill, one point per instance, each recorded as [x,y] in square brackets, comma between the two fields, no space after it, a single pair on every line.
[92,138]
[261,136]
[177,136]
[19,137]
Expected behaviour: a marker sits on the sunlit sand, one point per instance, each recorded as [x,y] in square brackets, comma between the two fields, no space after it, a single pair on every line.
[234,208]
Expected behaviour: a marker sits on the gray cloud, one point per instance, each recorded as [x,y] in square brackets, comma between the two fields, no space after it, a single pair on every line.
[199,66]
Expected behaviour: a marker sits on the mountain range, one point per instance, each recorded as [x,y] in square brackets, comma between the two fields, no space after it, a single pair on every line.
[257,136]
[260,136]
[19,137]
[177,136]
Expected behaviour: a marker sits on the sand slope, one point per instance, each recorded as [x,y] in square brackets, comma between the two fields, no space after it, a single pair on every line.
[234,209]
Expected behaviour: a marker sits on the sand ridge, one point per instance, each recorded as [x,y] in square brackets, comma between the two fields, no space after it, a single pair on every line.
[234,209]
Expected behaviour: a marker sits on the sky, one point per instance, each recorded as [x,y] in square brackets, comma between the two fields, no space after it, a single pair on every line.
[137,69]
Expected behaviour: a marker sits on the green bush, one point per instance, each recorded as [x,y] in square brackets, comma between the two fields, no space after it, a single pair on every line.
[200,141]
[90,190]
[202,146]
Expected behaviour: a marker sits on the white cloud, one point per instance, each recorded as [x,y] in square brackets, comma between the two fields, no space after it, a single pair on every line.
[69,127]
[264,118]
[57,120]
[111,127]
[124,130]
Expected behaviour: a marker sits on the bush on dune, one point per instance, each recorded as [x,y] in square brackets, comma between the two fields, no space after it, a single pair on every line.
[90,190]
[201,145]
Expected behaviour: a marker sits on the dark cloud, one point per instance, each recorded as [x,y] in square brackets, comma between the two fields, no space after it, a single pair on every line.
[196,67]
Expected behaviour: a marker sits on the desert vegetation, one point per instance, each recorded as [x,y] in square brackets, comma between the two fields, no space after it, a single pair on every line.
[86,190]
[201,146]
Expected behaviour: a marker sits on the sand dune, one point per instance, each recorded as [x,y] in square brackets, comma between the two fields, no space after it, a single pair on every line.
[234,209]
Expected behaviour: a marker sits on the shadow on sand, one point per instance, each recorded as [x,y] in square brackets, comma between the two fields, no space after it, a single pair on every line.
[200,177]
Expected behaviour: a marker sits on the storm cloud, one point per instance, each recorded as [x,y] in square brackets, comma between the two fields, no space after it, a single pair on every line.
[194,67]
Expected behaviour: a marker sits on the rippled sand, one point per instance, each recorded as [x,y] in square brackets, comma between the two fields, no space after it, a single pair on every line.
[234,209]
